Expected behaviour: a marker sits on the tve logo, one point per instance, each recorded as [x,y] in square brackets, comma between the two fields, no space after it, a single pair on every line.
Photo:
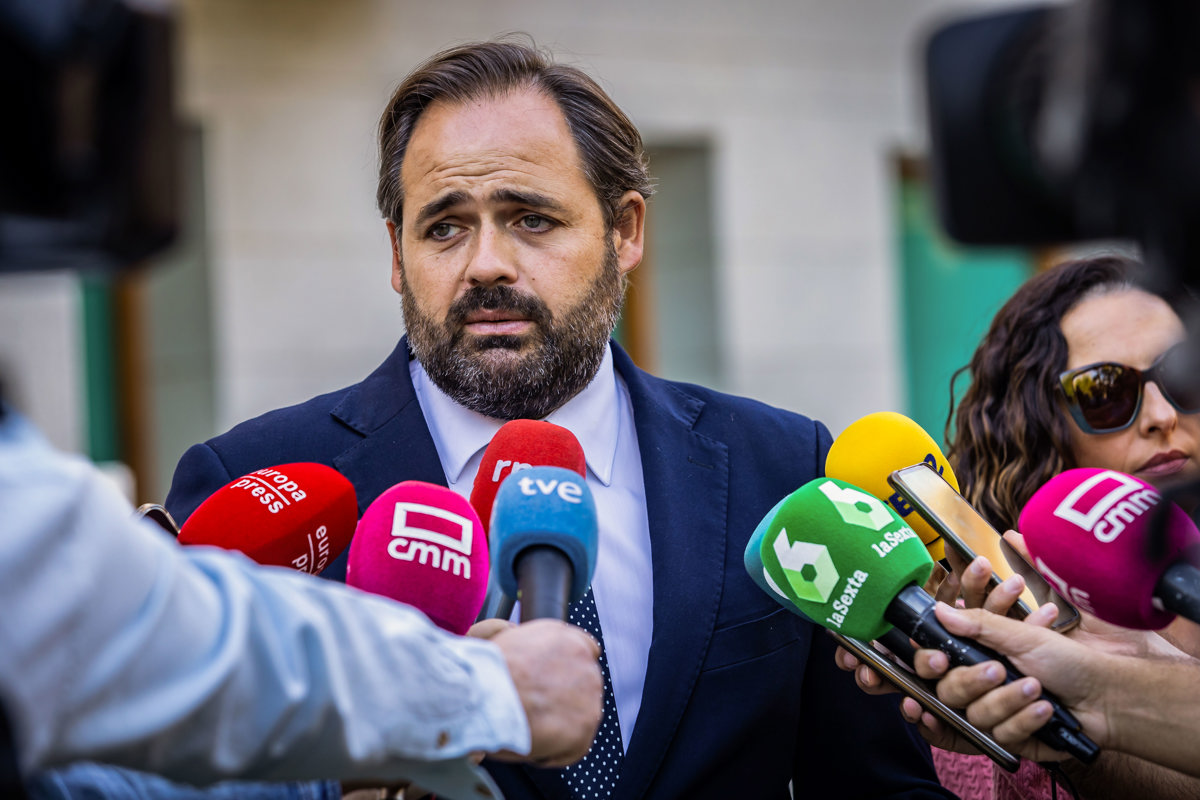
[1106,503]
[428,534]
[568,491]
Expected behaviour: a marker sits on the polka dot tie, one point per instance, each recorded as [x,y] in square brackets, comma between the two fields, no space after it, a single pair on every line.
[596,774]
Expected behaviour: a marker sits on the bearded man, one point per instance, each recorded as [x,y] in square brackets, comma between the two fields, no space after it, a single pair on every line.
[514,193]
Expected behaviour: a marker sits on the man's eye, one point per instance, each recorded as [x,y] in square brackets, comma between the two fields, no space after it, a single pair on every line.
[535,222]
[442,231]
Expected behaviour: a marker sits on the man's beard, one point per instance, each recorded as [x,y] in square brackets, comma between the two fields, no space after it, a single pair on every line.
[560,356]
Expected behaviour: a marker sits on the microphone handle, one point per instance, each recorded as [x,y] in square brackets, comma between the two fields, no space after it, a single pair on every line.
[912,612]
[544,576]
[1179,590]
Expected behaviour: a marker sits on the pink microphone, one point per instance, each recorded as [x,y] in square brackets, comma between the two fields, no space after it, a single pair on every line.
[1087,532]
[423,545]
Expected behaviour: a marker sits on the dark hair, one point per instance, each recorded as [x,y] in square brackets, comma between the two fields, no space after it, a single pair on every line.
[1009,434]
[610,147]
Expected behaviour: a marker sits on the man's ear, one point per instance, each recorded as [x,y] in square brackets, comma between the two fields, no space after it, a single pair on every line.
[629,230]
[397,261]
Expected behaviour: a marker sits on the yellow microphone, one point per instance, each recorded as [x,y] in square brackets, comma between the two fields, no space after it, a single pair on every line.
[872,448]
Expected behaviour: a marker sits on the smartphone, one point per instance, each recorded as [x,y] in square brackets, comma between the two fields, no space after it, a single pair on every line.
[966,531]
[899,675]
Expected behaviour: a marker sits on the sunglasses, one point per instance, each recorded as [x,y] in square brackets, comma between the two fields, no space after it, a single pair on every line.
[1106,397]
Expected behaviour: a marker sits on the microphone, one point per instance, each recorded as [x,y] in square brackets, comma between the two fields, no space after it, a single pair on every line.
[521,444]
[544,538]
[297,515]
[1087,531]
[878,444]
[422,545]
[846,560]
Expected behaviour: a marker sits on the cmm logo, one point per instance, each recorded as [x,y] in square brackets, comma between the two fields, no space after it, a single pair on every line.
[432,535]
[1106,503]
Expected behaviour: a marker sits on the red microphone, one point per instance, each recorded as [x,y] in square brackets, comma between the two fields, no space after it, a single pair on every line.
[294,515]
[423,545]
[521,444]
[1087,532]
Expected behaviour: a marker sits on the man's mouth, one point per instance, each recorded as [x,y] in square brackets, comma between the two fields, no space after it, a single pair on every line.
[499,322]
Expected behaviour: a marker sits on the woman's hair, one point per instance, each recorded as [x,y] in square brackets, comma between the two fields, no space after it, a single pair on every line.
[1009,434]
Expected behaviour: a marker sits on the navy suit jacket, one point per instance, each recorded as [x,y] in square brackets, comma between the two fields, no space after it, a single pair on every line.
[741,696]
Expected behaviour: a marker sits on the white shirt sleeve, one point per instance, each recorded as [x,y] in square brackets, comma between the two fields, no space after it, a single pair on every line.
[117,644]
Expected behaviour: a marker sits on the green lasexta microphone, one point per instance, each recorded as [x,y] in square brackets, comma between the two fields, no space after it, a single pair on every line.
[845,560]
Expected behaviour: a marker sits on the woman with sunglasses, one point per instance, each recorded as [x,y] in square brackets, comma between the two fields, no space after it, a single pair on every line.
[1078,369]
[1075,371]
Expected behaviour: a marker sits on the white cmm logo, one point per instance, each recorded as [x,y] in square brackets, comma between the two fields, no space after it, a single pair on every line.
[432,535]
[1124,499]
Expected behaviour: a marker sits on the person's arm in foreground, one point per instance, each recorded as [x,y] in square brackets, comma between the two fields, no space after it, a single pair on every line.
[118,645]
[1146,707]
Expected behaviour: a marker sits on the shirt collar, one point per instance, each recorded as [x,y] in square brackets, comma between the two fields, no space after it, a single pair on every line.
[460,433]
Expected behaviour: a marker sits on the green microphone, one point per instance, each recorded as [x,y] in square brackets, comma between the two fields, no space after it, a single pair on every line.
[845,560]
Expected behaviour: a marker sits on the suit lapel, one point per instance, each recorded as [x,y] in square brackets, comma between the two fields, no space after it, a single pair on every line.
[396,444]
[687,487]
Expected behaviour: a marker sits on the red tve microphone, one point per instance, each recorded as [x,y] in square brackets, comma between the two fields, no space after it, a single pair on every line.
[1087,532]
[521,444]
[298,515]
[423,545]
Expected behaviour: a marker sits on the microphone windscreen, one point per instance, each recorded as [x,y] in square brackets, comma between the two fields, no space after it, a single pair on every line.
[546,506]
[877,445]
[298,515]
[1087,529]
[422,545]
[839,555]
[521,444]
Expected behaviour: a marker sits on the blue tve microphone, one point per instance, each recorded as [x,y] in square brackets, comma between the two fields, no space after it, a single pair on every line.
[544,536]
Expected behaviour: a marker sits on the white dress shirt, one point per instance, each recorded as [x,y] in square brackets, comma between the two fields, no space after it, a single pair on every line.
[601,417]
[119,645]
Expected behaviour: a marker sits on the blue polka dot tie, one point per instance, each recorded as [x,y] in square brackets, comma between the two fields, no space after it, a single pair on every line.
[596,774]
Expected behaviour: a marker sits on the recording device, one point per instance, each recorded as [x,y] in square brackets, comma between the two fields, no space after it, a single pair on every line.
[299,515]
[848,562]
[968,534]
[871,448]
[1086,530]
[423,545]
[1064,123]
[886,663]
[544,540]
[521,444]
[89,167]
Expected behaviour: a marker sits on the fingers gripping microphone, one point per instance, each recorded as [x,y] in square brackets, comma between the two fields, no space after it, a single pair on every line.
[876,445]
[521,444]
[423,545]
[298,515]
[1086,530]
[544,538]
[846,560]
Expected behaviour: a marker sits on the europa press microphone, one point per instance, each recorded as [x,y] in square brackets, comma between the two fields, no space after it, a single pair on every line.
[1086,530]
[423,545]
[297,515]
[846,560]
[544,540]
[872,447]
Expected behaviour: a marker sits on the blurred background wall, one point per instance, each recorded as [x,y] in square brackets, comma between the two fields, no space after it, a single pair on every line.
[793,255]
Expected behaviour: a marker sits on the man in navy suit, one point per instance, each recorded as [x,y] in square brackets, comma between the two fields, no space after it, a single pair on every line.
[514,192]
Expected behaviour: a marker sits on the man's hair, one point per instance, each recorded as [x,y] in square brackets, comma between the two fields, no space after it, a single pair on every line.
[1009,434]
[610,147]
